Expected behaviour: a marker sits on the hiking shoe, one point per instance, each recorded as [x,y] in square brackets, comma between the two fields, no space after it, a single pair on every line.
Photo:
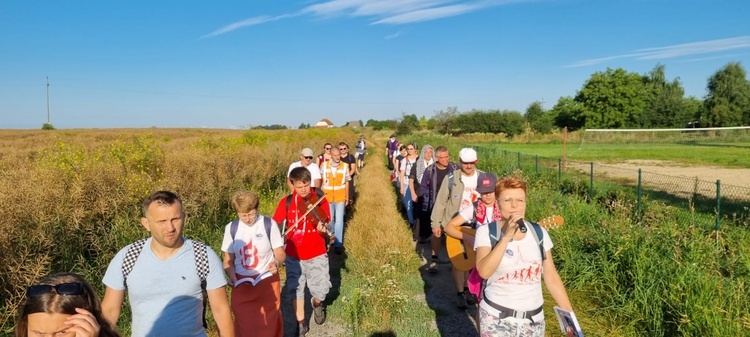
[461,302]
[432,268]
[302,330]
[319,313]
[469,297]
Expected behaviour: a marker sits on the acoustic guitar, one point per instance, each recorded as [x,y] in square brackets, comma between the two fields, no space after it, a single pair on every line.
[463,257]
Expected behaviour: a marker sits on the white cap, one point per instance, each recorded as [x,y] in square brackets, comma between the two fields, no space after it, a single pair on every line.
[467,155]
[307,152]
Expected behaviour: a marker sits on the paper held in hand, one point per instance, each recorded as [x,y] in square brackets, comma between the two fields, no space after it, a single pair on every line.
[253,279]
[568,320]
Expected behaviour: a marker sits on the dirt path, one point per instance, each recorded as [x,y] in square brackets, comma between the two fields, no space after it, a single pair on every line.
[673,177]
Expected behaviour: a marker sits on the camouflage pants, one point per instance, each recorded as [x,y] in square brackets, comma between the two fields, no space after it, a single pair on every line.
[313,272]
[492,326]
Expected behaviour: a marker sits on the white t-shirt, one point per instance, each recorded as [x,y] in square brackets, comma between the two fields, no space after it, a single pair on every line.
[253,251]
[313,168]
[165,295]
[517,282]
[470,194]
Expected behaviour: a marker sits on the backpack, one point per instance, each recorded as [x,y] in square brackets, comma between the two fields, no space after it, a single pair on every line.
[475,282]
[361,146]
[266,223]
[201,266]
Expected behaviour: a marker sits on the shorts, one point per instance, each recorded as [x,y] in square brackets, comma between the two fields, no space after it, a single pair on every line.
[313,272]
[492,326]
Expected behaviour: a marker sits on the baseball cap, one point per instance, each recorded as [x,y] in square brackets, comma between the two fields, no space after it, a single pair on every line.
[307,152]
[467,155]
[486,182]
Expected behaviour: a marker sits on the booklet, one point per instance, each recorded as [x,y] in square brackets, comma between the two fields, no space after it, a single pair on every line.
[253,279]
[567,320]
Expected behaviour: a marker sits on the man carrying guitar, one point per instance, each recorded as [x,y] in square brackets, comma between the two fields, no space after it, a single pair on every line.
[457,192]
[307,214]
[461,229]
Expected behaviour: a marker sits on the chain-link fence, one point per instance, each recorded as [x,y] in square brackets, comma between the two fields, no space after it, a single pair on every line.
[710,201]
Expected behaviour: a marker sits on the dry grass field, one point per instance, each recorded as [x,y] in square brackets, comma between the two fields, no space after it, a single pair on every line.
[71,197]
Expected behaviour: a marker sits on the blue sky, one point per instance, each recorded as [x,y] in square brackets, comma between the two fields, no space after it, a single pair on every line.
[234,64]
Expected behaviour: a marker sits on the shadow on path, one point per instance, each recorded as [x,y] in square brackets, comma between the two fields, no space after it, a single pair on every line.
[440,296]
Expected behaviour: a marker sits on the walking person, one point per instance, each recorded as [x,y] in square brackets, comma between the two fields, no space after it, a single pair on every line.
[166,276]
[513,306]
[391,150]
[325,156]
[360,150]
[306,161]
[457,192]
[62,304]
[336,182]
[253,251]
[306,258]
[422,229]
[351,161]
[432,180]
[404,187]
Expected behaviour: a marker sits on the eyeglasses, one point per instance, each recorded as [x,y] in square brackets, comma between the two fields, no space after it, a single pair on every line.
[309,157]
[343,149]
[327,148]
[510,200]
[60,289]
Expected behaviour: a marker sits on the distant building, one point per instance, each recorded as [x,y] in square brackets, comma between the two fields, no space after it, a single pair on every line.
[354,124]
[324,123]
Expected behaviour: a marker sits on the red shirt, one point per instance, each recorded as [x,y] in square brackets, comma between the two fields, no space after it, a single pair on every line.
[304,242]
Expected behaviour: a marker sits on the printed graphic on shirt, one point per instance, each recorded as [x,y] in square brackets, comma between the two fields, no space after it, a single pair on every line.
[522,271]
[249,256]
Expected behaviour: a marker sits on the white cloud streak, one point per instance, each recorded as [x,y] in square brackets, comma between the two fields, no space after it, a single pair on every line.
[679,50]
[382,12]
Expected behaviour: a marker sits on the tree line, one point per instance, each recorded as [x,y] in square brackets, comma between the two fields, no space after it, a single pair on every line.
[610,99]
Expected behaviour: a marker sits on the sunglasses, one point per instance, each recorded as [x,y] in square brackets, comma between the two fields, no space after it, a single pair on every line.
[60,289]
[327,148]
[308,157]
[342,149]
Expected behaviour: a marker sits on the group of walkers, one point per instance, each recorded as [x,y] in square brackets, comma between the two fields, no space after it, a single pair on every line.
[487,216]
[169,278]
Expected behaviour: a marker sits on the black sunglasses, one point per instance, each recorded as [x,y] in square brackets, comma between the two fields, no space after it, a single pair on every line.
[327,148]
[60,289]
[308,157]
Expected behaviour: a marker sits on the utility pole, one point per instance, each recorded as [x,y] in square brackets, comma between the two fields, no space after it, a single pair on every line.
[48,100]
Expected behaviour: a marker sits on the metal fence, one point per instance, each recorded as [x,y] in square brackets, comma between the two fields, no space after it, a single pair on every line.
[712,201]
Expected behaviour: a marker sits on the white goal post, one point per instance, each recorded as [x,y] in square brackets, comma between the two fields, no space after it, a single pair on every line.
[716,135]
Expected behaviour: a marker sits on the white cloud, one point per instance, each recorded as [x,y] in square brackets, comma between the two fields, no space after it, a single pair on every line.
[393,12]
[679,50]
[393,36]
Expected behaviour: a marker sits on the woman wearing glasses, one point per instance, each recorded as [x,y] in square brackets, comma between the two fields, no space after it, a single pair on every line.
[62,305]
[406,164]
[514,261]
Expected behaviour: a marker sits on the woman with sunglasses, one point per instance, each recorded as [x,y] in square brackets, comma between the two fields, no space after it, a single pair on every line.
[62,305]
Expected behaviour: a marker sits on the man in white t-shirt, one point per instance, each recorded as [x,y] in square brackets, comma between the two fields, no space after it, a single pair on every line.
[458,191]
[306,157]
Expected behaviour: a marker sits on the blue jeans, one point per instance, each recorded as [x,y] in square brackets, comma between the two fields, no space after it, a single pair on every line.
[337,215]
[409,205]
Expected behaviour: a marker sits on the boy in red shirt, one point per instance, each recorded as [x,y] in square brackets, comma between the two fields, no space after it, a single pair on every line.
[307,261]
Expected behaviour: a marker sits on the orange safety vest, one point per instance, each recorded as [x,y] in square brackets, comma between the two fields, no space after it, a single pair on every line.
[334,181]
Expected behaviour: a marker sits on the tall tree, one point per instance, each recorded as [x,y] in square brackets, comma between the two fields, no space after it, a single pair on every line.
[538,119]
[665,101]
[568,113]
[728,100]
[613,99]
